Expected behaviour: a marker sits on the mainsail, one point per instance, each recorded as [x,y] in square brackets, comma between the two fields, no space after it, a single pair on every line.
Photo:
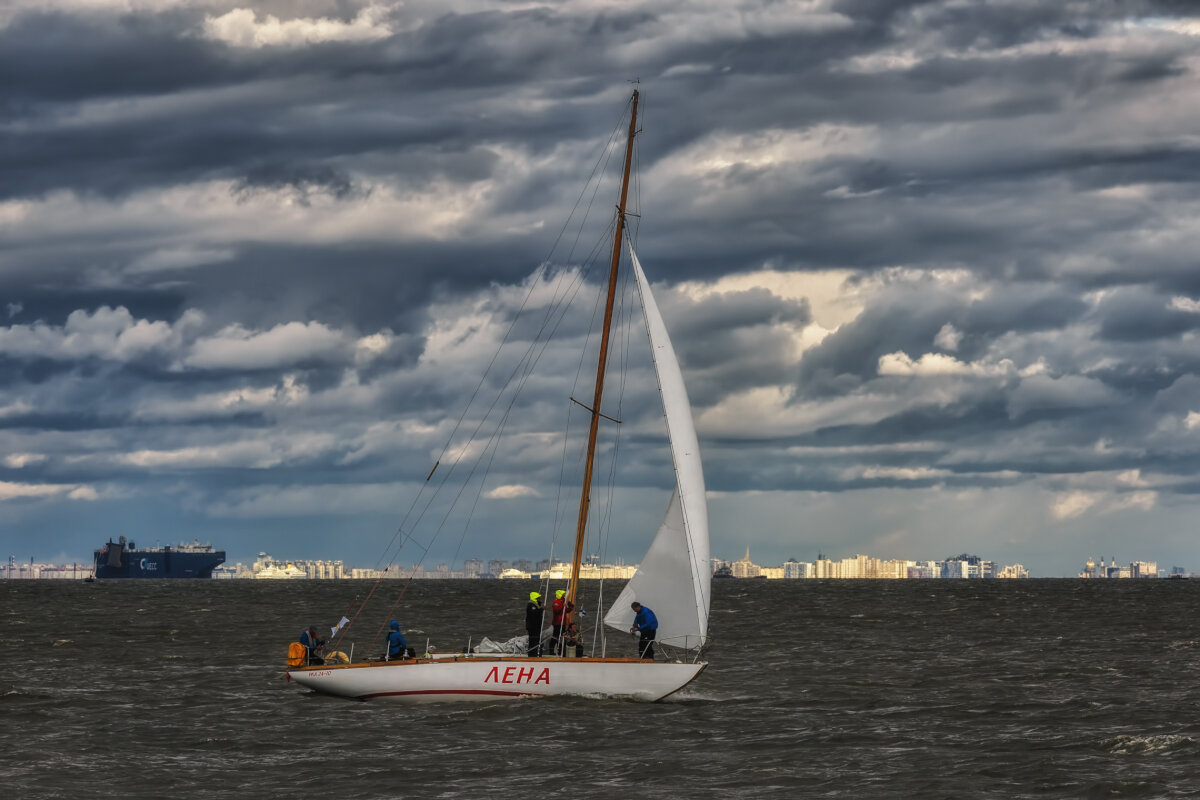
[675,577]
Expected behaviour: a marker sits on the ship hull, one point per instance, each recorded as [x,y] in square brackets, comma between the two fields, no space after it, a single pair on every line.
[158,564]
[475,678]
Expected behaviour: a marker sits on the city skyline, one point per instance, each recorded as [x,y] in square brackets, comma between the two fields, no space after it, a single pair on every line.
[857,566]
[929,268]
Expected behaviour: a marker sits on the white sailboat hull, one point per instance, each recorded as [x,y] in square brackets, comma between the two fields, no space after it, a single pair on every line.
[493,678]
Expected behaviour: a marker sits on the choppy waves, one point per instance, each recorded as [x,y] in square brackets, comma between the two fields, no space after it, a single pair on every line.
[846,689]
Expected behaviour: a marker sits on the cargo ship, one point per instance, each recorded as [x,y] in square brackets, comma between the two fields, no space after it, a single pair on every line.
[120,559]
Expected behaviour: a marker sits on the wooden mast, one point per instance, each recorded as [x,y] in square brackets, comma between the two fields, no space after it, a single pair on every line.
[585,498]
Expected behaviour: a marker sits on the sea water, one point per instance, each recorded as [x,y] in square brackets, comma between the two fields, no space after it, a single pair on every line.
[847,689]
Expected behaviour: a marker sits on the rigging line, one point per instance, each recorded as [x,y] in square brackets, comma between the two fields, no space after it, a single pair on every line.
[403,591]
[559,500]
[602,513]
[637,190]
[391,613]
[366,600]
[533,283]
[603,524]
[624,315]
[603,532]
[574,288]
[592,325]
[604,527]
[493,445]
[532,357]
[529,358]
[602,536]
[471,513]
[604,156]
[529,363]
[562,470]
[583,352]
[549,315]
[371,593]
[606,148]
[611,151]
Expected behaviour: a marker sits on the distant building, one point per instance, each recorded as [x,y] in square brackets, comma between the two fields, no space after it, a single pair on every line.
[793,569]
[955,569]
[745,568]
[825,568]
[1144,569]
[1135,569]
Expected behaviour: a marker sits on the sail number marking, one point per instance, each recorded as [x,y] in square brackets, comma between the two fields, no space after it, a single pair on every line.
[518,675]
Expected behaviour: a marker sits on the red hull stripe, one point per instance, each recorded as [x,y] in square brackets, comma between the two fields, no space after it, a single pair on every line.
[444,691]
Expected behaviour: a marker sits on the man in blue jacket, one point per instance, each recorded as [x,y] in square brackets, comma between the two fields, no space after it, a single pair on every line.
[312,644]
[646,624]
[397,648]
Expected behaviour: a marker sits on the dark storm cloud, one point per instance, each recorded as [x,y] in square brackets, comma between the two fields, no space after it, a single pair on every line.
[1133,313]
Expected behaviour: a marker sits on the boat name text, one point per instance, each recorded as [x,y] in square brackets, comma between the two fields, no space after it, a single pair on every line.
[518,675]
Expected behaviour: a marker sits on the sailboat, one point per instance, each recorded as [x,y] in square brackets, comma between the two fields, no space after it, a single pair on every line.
[673,579]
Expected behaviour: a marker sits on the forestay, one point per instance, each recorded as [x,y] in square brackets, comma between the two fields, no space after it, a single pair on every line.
[675,577]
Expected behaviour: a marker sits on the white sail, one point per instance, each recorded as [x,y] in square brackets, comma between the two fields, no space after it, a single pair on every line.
[675,577]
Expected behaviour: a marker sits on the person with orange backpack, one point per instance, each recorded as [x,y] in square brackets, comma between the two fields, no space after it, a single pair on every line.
[297,654]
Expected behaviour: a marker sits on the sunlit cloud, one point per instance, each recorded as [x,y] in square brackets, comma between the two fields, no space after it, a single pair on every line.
[241,27]
[511,492]
[17,491]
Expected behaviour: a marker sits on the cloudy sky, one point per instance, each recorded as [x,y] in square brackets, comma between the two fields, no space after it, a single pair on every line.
[930,266]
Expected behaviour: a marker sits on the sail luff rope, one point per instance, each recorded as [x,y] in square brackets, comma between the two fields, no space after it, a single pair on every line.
[702,602]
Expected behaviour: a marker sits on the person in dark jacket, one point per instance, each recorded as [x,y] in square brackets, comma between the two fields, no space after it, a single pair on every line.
[559,611]
[312,644]
[397,648]
[646,624]
[534,611]
[572,640]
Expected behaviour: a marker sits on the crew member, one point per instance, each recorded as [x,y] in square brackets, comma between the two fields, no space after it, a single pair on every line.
[559,610]
[646,624]
[534,611]
[572,640]
[313,644]
[397,648]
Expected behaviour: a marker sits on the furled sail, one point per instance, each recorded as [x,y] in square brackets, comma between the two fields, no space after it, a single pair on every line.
[675,577]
